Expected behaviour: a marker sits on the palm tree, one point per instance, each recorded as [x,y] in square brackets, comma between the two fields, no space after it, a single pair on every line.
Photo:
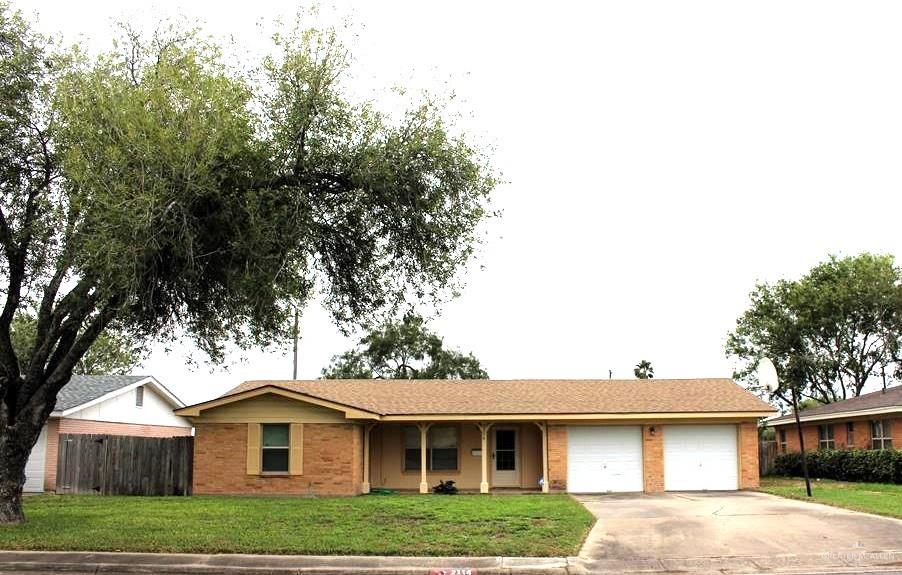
[644,370]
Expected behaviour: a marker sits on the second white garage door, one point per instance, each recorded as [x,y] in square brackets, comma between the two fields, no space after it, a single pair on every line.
[604,458]
[700,457]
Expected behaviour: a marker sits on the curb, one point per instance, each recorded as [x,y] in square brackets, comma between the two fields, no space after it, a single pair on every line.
[807,563]
[197,564]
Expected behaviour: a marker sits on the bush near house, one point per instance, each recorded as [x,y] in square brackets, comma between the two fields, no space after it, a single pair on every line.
[875,466]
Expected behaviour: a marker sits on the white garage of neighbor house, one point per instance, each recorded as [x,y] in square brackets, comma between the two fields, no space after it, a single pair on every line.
[103,404]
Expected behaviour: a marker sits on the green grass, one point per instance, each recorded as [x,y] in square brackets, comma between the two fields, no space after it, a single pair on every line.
[878,498]
[474,525]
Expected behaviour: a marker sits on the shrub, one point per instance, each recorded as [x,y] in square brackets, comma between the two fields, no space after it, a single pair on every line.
[874,466]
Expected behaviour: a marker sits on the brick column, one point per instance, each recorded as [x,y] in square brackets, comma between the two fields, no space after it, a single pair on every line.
[748,455]
[557,457]
[653,458]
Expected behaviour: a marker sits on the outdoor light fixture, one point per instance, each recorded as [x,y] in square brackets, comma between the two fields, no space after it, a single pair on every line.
[651,431]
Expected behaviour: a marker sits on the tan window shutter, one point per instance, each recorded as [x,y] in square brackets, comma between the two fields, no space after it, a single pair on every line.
[296,457]
[253,448]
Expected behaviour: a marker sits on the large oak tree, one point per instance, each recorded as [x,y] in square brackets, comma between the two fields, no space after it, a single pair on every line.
[154,190]
[830,332]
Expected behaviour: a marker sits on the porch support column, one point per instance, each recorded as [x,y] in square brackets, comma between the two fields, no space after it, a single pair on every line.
[484,432]
[424,436]
[543,426]
[365,486]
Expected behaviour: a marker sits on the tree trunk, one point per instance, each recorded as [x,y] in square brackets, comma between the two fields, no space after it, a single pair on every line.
[16,442]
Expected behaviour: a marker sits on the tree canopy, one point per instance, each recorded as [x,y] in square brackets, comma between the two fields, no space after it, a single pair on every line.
[644,370]
[111,353]
[403,350]
[156,190]
[828,333]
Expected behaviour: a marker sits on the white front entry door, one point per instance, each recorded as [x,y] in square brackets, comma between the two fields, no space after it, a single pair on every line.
[700,458]
[604,458]
[506,457]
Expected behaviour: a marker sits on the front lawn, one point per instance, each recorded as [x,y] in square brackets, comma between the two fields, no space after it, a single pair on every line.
[879,498]
[510,525]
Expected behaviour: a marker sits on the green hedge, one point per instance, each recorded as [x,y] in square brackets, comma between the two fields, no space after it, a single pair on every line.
[871,466]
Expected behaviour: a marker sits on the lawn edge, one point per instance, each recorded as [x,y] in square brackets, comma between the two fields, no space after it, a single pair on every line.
[828,503]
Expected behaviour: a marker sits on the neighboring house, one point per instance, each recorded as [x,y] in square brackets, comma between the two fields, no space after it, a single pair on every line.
[107,404]
[347,436]
[869,421]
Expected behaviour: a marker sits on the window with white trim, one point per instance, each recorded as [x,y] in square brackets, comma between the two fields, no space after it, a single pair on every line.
[850,433]
[881,434]
[825,437]
[139,396]
[781,440]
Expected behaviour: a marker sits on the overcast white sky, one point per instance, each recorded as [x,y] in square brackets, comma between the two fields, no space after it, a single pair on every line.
[660,157]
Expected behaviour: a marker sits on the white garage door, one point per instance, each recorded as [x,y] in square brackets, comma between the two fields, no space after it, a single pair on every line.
[34,468]
[700,457]
[604,458]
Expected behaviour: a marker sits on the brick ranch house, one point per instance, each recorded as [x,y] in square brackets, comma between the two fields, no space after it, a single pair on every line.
[344,437]
[103,404]
[869,421]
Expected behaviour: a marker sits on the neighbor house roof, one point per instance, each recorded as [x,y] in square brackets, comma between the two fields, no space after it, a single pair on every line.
[83,390]
[522,396]
[870,403]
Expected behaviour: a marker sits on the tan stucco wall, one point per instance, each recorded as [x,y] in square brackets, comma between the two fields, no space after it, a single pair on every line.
[271,408]
[386,452]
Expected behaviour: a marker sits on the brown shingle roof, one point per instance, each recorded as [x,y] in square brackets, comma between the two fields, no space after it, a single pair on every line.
[525,396]
[874,400]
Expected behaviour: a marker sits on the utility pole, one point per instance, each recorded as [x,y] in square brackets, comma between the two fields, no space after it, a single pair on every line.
[767,378]
[295,334]
[795,409]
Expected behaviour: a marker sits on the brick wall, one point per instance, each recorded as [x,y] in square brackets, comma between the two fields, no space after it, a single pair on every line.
[333,461]
[748,455]
[860,440]
[557,457]
[87,426]
[653,458]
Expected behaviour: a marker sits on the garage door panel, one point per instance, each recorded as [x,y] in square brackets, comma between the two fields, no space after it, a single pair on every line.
[604,458]
[700,458]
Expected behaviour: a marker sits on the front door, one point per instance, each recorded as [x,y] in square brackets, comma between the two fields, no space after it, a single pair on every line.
[506,466]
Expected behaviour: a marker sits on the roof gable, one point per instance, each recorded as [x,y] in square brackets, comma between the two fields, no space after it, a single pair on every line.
[85,390]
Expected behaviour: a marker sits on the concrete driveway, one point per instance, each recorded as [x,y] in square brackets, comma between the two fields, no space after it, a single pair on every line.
[753,530]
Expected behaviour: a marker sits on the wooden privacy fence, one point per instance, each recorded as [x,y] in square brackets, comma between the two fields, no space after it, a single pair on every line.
[767,455]
[124,465]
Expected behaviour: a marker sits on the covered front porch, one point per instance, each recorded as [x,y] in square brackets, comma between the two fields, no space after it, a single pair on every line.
[476,455]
